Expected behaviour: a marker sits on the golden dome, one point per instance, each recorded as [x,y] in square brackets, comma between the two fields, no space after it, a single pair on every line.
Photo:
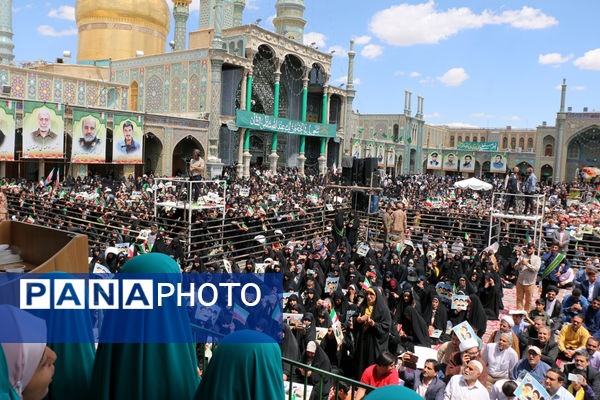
[118,28]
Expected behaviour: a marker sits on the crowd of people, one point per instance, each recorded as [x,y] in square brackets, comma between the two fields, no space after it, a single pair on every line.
[361,306]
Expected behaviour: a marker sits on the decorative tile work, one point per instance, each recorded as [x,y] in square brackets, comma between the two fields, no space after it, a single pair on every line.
[92,95]
[154,94]
[176,95]
[167,153]
[141,83]
[166,91]
[124,95]
[18,86]
[194,67]
[203,84]
[3,77]
[58,90]
[184,88]
[44,89]
[81,93]
[69,92]
[31,86]
[194,104]
[102,97]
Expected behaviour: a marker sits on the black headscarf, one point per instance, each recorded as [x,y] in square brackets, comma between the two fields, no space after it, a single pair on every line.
[476,315]
[415,326]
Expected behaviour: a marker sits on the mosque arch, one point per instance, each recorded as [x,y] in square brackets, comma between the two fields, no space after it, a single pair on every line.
[290,100]
[183,152]
[522,143]
[546,172]
[523,166]
[395,132]
[133,96]
[153,149]
[583,150]
[548,143]
[263,81]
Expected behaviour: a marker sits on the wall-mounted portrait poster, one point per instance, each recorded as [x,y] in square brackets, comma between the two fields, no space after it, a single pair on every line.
[467,163]
[356,149]
[381,155]
[43,130]
[434,160]
[498,163]
[391,158]
[127,139]
[451,162]
[7,130]
[89,137]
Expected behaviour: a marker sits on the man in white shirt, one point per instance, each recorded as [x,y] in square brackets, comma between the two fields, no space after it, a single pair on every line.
[500,359]
[504,389]
[466,386]
[528,266]
[554,385]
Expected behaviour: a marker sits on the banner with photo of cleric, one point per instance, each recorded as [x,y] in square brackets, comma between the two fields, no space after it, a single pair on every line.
[7,130]
[498,163]
[43,130]
[451,161]
[391,157]
[89,137]
[381,155]
[356,149]
[127,139]
[467,162]
[434,160]
[369,152]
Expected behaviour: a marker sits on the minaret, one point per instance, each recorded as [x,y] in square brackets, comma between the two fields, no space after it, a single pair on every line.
[561,119]
[290,21]
[351,55]
[6,33]
[181,12]
[238,11]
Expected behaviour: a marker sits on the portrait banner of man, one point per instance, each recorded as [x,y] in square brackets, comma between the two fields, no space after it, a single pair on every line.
[450,162]
[498,163]
[369,151]
[467,163]
[356,149]
[43,130]
[127,139]
[7,130]
[391,157]
[434,160]
[89,137]
[381,155]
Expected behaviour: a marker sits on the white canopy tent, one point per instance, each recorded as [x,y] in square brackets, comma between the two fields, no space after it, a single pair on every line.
[473,184]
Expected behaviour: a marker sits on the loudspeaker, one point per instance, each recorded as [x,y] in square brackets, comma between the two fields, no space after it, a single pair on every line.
[360,201]
[370,168]
[358,174]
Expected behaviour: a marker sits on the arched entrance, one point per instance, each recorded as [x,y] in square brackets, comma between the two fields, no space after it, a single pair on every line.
[183,153]
[257,148]
[152,154]
[523,166]
[583,150]
[546,173]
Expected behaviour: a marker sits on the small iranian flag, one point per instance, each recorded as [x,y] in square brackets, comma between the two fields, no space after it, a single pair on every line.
[244,227]
[9,104]
[21,203]
[506,226]
[240,314]
[467,237]
[102,115]
[130,251]
[470,201]
[428,202]
[261,211]
[30,220]
[250,211]
[452,196]
[302,211]
[85,214]
[366,284]
[596,202]
[264,227]
[58,106]
[291,216]
[139,118]
[334,169]
[529,239]
[334,317]
[398,246]
[102,220]
[598,190]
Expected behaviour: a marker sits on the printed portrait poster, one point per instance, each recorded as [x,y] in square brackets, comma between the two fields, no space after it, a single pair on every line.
[356,149]
[369,151]
[381,155]
[7,130]
[434,160]
[467,163]
[43,130]
[498,163]
[451,162]
[127,139]
[89,137]
[391,158]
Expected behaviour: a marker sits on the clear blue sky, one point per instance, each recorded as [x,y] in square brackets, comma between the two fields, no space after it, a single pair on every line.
[480,63]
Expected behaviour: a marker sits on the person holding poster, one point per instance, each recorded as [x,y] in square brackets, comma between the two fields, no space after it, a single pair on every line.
[89,131]
[433,162]
[499,165]
[43,128]
[450,163]
[127,140]
[467,164]
[7,129]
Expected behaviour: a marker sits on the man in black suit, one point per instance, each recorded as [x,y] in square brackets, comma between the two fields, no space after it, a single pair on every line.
[554,308]
[426,383]
[581,366]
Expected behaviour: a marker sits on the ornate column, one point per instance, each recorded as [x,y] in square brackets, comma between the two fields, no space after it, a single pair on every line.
[560,125]
[214,166]
[240,163]
[181,12]
[6,33]
[302,157]
[274,157]
[324,120]
[247,155]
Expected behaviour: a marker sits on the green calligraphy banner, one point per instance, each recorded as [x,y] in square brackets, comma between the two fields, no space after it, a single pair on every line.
[478,146]
[262,122]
